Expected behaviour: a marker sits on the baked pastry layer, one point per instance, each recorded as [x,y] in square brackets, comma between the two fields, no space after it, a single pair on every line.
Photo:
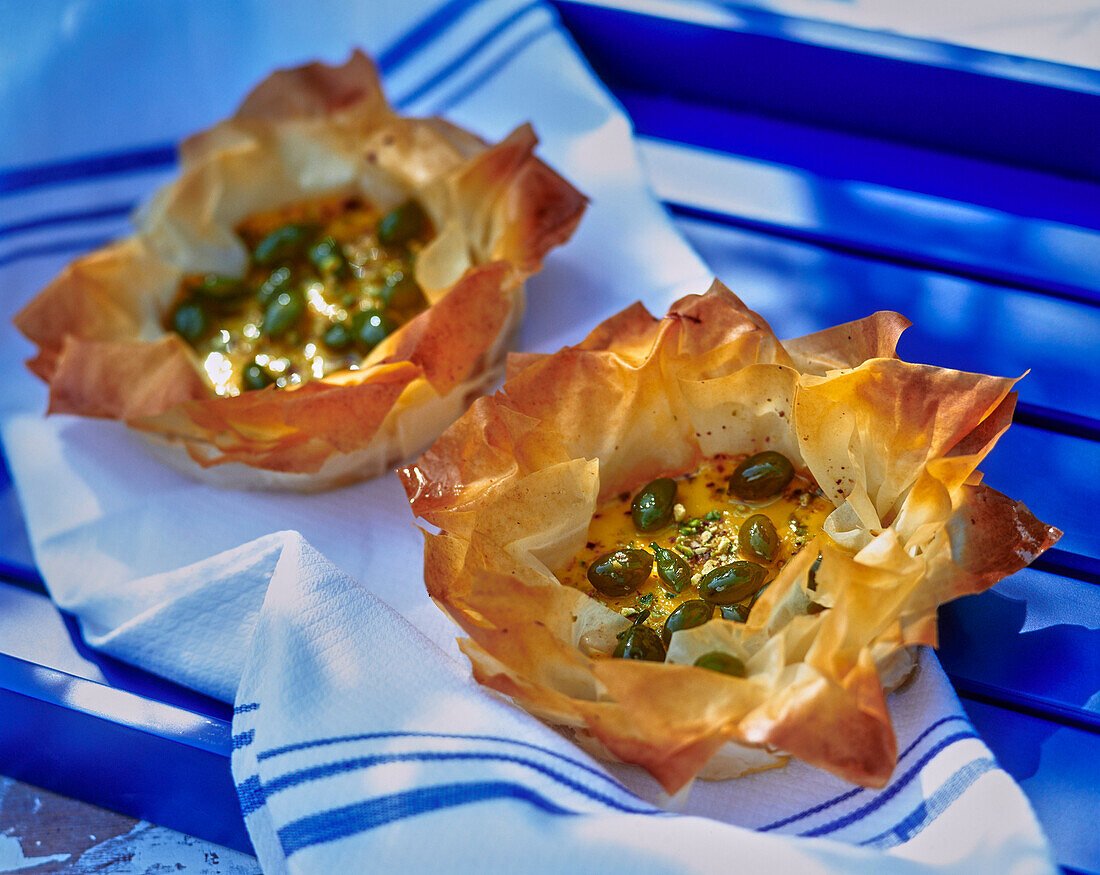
[311,132]
[513,485]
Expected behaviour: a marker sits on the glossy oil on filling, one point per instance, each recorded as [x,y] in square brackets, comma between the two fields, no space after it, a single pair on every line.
[704,531]
[327,281]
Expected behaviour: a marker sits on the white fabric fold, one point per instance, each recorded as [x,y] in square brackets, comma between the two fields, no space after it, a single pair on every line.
[368,743]
[359,735]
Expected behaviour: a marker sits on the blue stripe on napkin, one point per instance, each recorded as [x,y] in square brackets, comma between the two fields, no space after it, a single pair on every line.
[931,808]
[328,770]
[62,247]
[476,47]
[373,736]
[892,789]
[108,211]
[251,794]
[328,826]
[17,179]
[491,69]
[421,34]
[844,797]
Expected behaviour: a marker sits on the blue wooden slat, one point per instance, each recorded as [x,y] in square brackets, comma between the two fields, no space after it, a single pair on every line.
[957,323]
[1013,644]
[829,31]
[1074,565]
[1019,702]
[759,66]
[846,157]
[1056,477]
[119,750]
[1045,243]
[1059,770]
[865,238]
[21,575]
[86,725]
[1060,421]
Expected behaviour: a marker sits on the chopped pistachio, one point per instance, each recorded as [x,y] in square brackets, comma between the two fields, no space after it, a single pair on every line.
[705,537]
[721,546]
[684,550]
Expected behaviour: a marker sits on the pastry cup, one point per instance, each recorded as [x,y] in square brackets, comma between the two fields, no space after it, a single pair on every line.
[513,484]
[302,134]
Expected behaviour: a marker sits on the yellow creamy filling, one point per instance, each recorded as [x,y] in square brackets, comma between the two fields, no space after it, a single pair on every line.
[732,547]
[327,281]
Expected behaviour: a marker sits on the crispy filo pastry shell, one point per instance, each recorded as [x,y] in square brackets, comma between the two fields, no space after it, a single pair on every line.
[302,134]
[513,485]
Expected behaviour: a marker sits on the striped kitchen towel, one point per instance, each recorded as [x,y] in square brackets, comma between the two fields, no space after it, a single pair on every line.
[360,742]
[356,740]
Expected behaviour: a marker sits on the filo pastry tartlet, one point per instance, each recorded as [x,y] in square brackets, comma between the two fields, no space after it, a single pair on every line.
[382,336]
[517,487]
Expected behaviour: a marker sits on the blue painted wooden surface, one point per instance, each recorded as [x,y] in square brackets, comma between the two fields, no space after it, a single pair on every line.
[885,185]
[46,832]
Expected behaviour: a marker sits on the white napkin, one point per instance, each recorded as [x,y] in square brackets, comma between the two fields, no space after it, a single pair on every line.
[397,757]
